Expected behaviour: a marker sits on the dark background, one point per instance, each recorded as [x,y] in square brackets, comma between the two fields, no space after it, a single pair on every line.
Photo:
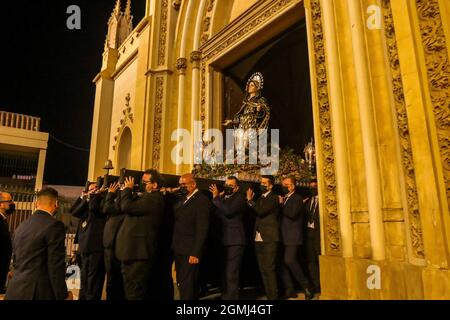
[48,70]
[284,65]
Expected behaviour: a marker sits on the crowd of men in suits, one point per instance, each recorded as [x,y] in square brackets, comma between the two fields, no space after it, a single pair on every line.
[133,238]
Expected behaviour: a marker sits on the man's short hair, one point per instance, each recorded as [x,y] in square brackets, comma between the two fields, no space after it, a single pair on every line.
[270,178]
[48,192]
[155,176]
[292,178]
[235,179]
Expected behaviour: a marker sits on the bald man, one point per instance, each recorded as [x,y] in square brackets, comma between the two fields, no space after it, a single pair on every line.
[7,207]
[39,254]
[190,232]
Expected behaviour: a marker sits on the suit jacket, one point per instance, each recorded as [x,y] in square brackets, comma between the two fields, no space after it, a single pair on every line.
[5,248]
[230,212]
[114,219]
[92,223]
[39,260]
[137,236]
[312,235]
[267,211]
[292,220]
[191,225]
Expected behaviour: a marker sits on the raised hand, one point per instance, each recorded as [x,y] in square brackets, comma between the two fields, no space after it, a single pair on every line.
[250,194]
[129,182]
[227,122]
[193,260]
[113,187]
[214,190]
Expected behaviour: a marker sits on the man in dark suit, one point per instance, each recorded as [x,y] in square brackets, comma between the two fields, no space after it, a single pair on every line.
[190,232]
[230,208]
[266,233]
[7,207]
[136,243]
[292,238]
[161,277]
[88,208]
[39,254]
[114,218]
[312,236]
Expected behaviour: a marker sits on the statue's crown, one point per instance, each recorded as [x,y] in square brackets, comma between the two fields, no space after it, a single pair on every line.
[258,78]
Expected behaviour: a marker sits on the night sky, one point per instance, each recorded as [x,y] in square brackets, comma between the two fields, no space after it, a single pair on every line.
[48,71]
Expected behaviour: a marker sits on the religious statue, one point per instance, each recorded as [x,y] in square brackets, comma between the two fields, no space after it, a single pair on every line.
[254,112]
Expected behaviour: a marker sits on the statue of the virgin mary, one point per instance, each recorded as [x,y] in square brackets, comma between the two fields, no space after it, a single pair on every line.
[254,112]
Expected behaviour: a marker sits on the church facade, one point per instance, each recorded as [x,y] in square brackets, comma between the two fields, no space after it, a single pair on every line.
[379,75]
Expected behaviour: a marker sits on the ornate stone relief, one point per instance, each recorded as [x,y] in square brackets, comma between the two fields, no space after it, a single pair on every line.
[126,120]
[438,71]
[330,213]
[163,33]
[414,221]
[157,123]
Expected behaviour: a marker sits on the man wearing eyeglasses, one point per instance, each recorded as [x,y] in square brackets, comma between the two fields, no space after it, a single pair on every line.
[136,242]
[7,207]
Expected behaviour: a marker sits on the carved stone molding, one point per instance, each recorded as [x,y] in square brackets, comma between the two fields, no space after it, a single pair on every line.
[181,65]
[196,57]
[163,33]
[330,212]
[176,4]
[415,225]
[438,71]
[206,27]
[157,123]
[126,120]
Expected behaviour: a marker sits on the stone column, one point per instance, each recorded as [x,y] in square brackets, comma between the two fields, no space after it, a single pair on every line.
[368,128]
[338,124]
[40,169]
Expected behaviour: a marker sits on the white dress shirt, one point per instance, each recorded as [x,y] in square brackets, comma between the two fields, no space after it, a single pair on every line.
[258,237]
[190,196]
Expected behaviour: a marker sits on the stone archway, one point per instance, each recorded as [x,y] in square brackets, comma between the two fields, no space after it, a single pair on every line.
[251,29]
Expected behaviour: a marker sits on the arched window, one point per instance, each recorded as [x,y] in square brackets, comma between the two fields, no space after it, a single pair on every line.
[125,149]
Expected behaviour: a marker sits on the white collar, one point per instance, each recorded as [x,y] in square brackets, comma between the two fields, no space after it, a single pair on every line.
[267,193]
[290,194]
[4,217]
[229,196]
[192,194]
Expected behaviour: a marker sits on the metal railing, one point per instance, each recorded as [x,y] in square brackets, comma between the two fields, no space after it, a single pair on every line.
[71,247]
[19,121]
[25,205]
